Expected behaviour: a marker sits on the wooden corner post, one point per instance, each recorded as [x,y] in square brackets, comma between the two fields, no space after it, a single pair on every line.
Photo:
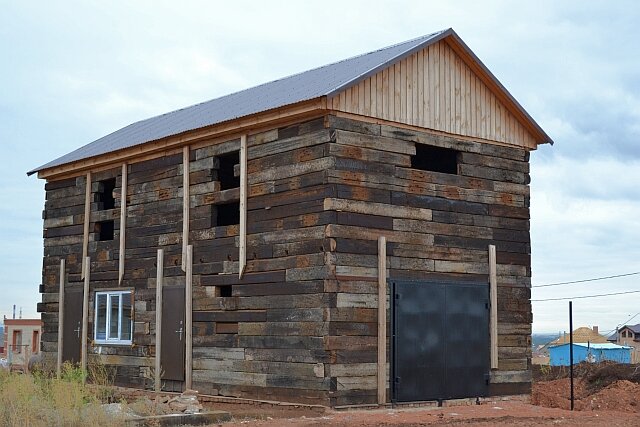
[493,314]
[185,205]
[85,315]
[382,320]
[123,223]
[188,361]
[159,283]
[60,317]
[87,220]
[243,205]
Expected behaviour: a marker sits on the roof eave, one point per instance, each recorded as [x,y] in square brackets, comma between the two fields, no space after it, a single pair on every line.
[246,124]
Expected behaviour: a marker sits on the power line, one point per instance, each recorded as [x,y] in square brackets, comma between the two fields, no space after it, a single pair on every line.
[631,318]
[586,280]
[626,322]
[587,296]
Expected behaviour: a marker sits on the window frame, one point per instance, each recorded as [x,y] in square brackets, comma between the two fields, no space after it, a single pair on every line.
[112,340]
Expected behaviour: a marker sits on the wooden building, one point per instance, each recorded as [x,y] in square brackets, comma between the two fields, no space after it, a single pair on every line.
[357,233]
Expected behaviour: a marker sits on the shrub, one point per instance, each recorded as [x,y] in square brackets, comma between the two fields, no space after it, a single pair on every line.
[40,399]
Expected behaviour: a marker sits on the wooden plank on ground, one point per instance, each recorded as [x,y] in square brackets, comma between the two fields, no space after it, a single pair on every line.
[188,319]
[60,318]
[382,320]
[85,315]
[159,280]
[493,316]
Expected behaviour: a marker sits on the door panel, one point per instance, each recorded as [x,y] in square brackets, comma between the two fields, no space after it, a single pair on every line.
[173,333]
[440,340]
[418,350]
[467,340]
[72,328]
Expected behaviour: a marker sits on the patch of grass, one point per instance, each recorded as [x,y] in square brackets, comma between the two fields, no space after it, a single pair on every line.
[40,399]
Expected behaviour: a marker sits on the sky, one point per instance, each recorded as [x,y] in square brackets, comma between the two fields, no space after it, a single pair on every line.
[78,70]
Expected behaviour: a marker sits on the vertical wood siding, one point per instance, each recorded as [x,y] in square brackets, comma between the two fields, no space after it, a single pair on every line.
[435,89]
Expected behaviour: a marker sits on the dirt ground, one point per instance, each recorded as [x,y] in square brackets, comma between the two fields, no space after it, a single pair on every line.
[605,395]
[498,414]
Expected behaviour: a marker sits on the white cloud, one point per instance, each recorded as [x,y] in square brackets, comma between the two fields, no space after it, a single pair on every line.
[584,225]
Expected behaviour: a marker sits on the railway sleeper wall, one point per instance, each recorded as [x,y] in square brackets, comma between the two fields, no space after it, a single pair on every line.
[301,324]
[438,226]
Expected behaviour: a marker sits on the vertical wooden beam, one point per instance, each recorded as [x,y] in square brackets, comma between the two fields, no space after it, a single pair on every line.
[60,318]
[87,219]
[188,323]
[243,205]
[185,205]
[159,283]
[493,315]
[123,222]
[85,315]
[382,320]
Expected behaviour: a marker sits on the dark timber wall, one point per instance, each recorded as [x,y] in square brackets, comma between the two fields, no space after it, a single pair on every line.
[301,324]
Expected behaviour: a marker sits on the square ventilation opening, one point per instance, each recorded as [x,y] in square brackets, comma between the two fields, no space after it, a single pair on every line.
[104,230]
[435,159]
[225,290]
[227,214]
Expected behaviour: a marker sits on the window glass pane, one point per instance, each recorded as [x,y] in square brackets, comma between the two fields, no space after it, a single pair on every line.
[126,317]
[114,306]
[101,317]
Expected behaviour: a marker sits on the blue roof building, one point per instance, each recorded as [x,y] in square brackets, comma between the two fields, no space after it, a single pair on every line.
[585,352]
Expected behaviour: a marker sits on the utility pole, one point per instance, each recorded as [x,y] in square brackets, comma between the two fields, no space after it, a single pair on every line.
[571,349]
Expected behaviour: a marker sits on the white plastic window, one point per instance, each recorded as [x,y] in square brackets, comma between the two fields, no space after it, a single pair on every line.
[113,323]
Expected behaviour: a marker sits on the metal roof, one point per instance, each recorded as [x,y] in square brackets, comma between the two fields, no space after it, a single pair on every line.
[327,81]
[323,81]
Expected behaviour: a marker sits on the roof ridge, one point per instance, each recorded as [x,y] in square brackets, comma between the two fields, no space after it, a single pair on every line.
[387,63]
[425,37]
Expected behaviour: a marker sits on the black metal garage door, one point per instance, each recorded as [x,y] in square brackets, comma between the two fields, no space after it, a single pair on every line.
[440,340]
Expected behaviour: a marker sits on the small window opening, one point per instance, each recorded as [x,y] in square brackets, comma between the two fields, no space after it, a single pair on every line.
[104,230]
[227,214]
[225,290]
[105,193]
[226,327]
[35,342]
[435,159]
[17,341]
[226,170]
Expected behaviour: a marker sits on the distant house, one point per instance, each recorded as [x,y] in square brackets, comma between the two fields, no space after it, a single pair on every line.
[21,340]
[581,335]
[559,355]
[629,335]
